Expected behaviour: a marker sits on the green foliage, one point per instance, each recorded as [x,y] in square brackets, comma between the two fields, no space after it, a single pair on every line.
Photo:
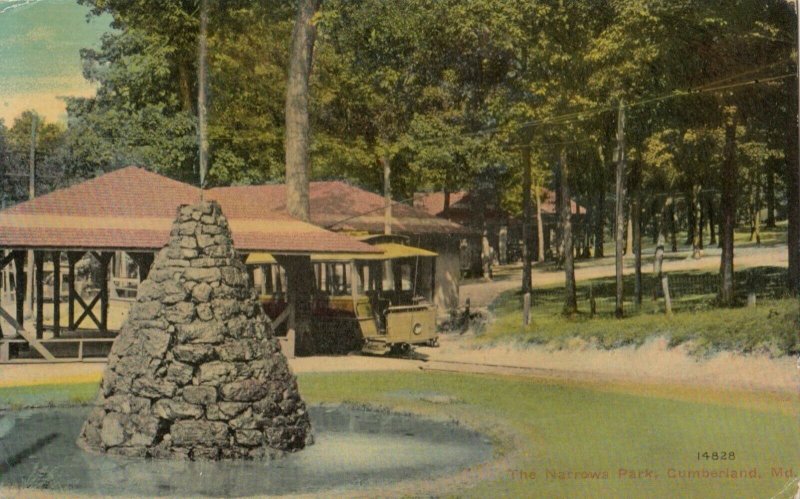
[51,156]
[442,90]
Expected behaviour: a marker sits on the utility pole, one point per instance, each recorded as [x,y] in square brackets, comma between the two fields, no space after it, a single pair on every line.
[31,195]
[526,218]
[202,82]
[620,205]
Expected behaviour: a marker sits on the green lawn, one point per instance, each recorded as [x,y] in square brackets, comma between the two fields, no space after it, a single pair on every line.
[769,327]
[540,426]
[769,237]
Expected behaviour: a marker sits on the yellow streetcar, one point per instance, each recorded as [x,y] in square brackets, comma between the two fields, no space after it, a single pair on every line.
[374,302]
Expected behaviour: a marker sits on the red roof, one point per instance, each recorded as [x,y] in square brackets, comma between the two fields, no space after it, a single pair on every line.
[132,208]
[433,203]
[338,205]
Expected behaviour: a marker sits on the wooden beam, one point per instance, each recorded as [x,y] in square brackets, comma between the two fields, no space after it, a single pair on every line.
[38,259]
[32,341]
[433,280]
[56,293]
[282,317]
[19,285]
[72,258]
[87,311]
[105,258]
[6,259]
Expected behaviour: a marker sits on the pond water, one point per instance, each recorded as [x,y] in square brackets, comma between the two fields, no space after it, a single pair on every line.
[353,448]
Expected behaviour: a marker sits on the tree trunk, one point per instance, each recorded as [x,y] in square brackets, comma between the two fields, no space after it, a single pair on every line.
[755,214]
[559,232]
[711,225]
[202,82]
[539,226]
[619,219]
[586,232]
[793,208]
[526,220]
[600,208]
[770,197]
[690,219]
[570,301]
[673,225]
[702,223]
[729,186]
[657,219]
[297,121]
[636,217]
[629,233]
[185,86]
[387,194]
[300,289]
[696,220]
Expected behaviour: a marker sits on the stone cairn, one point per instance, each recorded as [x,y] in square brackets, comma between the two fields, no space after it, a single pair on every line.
[195,372]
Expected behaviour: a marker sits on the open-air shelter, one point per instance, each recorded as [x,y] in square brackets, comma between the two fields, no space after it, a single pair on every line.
[129,210]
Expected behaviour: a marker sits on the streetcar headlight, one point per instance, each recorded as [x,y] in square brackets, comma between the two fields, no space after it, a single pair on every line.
[417,329]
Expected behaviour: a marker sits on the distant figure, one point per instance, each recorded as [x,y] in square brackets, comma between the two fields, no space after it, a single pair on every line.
[657,263]
[487,255]
[503,246]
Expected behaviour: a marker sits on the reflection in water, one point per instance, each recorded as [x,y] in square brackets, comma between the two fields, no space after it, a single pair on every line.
[352,448]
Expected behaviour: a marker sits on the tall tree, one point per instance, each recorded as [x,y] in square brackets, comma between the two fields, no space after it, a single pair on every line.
[297,120]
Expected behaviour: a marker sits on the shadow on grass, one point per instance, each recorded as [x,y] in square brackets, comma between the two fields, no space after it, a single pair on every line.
[17,458]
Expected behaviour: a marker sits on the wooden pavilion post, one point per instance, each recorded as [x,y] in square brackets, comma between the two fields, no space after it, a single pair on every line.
[433,280]
[38,259]
[4,261]
[72,259]
[56,293]
[19,286]
[105,259]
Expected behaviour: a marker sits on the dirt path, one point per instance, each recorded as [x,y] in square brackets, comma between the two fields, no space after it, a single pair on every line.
[652,363]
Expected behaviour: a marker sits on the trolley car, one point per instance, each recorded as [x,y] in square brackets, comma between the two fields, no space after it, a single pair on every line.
[379,302]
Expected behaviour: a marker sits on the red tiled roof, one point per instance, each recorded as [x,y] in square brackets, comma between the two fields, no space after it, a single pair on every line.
[338,206]
[132,208]
[433,202]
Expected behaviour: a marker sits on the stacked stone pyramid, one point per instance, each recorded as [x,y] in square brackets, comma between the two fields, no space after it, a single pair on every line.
[195,372]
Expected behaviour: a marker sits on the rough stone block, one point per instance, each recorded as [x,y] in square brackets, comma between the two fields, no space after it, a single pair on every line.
[179,373]
[201,332]
[201,394]
[186,432]
[202,274]
[248,390]
[201,293]
[145,310]
[216,373]
[149,387]
[205,312]
[224,309]
[155,342]
[193,354]
[180,313]
[171,410]
[249,438]
[112,432]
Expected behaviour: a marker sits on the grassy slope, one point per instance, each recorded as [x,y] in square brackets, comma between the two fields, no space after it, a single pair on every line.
[577,427]
[771,327]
